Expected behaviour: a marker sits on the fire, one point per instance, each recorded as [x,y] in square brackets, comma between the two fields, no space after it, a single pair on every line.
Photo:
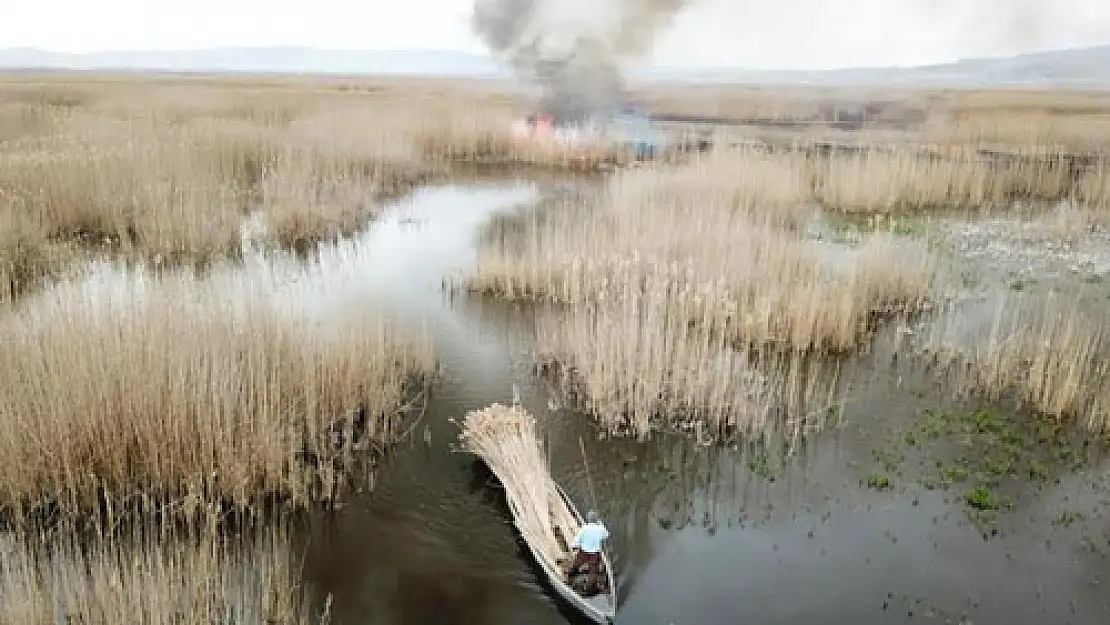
[625,129]
[543,130]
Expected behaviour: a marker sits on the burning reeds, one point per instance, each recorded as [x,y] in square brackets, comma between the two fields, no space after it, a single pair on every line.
[167,172]
[189,391]
[506,439]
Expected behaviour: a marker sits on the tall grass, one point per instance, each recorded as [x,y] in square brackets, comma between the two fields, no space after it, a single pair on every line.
[1029,121]
[669,287]
[906,179]
[1051,359]
[166,170]
[182,390]
[193,576]
[635,362]
[1046,123]
[1094,188]
[177,193]
[733,244]
[28,255]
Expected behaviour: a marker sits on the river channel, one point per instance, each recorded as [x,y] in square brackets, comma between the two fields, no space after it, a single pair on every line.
[701,535]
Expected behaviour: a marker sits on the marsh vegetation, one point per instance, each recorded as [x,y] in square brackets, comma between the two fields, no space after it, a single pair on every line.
[171,397]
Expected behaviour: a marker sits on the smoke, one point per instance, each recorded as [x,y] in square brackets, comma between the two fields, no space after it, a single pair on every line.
[572,49]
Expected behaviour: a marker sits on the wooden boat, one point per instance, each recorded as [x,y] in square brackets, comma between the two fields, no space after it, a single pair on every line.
[544,516]
[599,608]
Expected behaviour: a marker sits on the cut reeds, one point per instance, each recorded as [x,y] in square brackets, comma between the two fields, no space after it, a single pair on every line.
[506,439]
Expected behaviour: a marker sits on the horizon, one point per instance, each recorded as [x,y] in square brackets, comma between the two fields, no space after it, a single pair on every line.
[705,34]
[485,55]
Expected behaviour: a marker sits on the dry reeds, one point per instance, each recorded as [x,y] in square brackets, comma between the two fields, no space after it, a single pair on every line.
[667,289]
[1094,188]
[166,171]
[908,179]
[174,194]
[193,577]
[1052,360]
[187,391]
[756,281]
[883,181]
[506,439]
[1028,121]
[634,358]
[168,174]
[1038,123]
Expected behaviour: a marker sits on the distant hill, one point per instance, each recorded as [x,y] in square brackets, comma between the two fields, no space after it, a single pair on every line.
[1081,67]
[1087,66]
[286,59]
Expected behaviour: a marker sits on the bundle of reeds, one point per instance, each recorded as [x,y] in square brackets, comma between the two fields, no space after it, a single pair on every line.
[505,438]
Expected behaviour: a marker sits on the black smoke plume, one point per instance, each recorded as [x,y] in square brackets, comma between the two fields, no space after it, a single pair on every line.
[573,50]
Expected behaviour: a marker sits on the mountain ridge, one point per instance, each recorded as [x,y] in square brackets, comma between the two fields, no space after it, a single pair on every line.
[1081,66]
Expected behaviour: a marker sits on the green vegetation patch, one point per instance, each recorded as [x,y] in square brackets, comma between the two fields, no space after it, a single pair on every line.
[987,457]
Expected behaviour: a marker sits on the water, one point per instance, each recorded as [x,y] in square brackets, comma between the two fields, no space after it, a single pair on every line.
[701,535]
[429,545]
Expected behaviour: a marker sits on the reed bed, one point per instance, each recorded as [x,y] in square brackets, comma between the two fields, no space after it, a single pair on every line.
[637,364]
[1029,121]
[1094,189]
[1051,359]
[906,180]
[506,439]
[126,387]
[166,170]
[176,193]
[749,274]
[181,577]
[628,361]
[1041,123]
[666,291]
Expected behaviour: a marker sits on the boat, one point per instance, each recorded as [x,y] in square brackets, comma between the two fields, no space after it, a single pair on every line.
[601,607]
[504,439]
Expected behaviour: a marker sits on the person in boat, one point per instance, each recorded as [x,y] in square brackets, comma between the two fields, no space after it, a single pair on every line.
[587,549]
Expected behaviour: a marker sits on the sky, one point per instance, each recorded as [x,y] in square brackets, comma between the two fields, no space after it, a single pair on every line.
[776,34]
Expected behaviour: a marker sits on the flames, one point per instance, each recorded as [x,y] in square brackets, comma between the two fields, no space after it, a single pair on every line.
[625,130]
[544,131]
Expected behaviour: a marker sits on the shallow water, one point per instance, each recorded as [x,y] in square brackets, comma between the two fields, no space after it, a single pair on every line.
[701,535]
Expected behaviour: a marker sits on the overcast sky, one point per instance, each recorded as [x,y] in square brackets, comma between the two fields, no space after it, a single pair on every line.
[776,34]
